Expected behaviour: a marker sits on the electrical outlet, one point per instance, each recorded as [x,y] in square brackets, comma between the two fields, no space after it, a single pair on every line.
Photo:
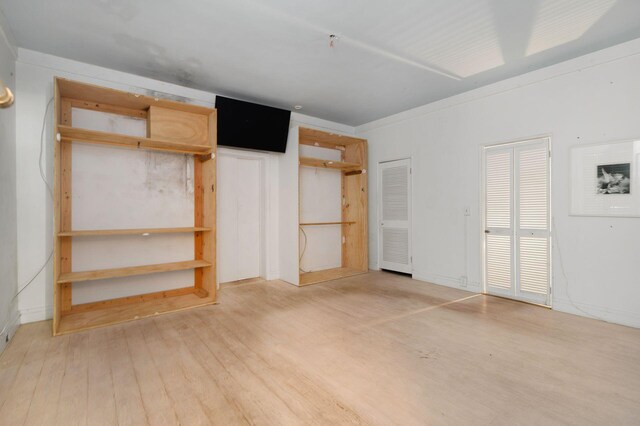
[467,211]
[463,281]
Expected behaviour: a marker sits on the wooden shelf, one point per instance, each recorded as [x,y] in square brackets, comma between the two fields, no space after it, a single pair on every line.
[326,223]
[141,231]
[330,164]
[316,277]
[74,134]
[114,314]
[72,277]
[172,127]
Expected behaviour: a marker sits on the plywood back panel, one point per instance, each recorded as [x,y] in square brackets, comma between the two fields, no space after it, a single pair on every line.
[178,126]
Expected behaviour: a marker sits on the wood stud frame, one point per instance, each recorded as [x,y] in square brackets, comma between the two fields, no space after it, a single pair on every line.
[172,127]
[353,166]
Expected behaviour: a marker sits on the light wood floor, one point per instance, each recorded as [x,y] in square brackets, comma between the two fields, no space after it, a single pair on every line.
[371,349]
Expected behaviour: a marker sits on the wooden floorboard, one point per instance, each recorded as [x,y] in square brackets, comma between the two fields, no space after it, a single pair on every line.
[376,348]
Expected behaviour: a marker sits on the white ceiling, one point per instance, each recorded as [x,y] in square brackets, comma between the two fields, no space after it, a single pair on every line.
[390,55]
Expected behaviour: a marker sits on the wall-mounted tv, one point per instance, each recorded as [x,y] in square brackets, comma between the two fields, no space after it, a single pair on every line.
[252,126]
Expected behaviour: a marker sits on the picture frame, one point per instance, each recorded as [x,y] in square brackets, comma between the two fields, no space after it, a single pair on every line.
[605,179]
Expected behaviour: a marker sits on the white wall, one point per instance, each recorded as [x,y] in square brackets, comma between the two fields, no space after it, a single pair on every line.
[8,219]
[35,72]
[594,98]
[320,201]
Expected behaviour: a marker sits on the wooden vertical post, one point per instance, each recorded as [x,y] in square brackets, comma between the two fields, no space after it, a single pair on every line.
[354,209]
[209,282]
[57,305]
[66,295]
[198,208]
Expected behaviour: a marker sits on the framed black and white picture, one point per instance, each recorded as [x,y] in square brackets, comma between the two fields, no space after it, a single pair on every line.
[604,177]
[614,178]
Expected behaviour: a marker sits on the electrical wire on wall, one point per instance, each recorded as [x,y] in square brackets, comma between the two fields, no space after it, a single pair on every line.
[50,191]
[304,248]
[564,274]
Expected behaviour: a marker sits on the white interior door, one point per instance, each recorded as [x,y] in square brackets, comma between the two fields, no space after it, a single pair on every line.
[239,218]
[394,200]
[516,232]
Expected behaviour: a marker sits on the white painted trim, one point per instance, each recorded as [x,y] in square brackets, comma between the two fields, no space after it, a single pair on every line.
[601,57]
[40,313]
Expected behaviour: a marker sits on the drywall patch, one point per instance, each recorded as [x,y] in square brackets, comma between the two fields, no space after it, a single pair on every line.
[169,174]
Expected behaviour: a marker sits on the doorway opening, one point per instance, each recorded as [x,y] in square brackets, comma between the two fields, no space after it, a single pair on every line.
[517,220]
[394,215]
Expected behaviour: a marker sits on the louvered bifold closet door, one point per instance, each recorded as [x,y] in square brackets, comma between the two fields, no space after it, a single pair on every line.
[532,220]
[395,215]
[499,275]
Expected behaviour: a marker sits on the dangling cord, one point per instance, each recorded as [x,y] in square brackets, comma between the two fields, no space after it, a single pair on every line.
[50,191]
[304,248]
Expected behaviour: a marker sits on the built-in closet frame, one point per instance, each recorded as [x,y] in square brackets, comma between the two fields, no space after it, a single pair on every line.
[172,127]
[353,167]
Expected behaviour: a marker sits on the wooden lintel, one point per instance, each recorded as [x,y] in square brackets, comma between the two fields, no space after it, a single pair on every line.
[108,108]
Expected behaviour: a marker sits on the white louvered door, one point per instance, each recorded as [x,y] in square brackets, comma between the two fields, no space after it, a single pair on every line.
[516,187]
[394,200]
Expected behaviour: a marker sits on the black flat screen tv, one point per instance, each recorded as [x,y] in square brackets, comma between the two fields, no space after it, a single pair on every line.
[252,126]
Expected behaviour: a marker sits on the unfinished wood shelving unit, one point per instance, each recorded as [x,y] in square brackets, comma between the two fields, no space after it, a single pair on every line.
[353,167]
[172,127]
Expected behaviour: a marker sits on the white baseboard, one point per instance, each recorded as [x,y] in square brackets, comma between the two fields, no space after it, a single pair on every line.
[40,313]
[12,325]
[446,281]
[616,316]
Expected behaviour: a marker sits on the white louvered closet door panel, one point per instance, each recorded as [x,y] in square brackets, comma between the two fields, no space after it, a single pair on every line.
[517,246]
[499,274]
[532,221]
[395,215]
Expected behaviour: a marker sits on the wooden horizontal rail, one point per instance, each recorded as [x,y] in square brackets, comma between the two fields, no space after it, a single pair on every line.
[111,109]
[326,223]
[114,139]
[138,298]
[134,101]
[326,140]
[141,231]
[77,319]
[99,274]
[315,277]
[329,164]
